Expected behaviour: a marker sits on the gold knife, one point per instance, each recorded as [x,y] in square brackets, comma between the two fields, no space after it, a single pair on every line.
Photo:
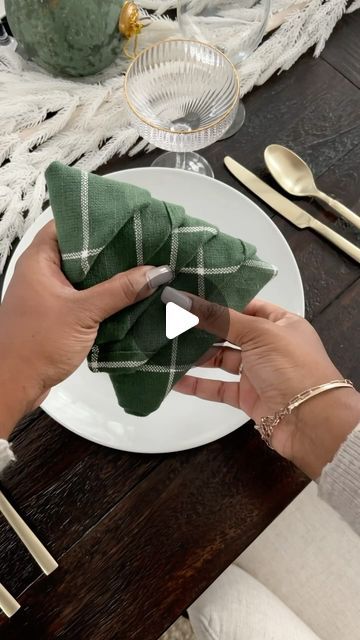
[288,209]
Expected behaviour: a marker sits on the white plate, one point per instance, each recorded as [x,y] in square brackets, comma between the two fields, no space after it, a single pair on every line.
[85,403]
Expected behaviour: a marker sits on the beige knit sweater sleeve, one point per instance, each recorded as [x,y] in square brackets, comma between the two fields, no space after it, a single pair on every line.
[339,483]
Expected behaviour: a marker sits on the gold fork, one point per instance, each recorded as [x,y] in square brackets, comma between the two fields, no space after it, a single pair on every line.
[7,603]
[45,561]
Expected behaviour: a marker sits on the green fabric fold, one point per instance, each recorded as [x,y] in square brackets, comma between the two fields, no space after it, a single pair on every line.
[105,227]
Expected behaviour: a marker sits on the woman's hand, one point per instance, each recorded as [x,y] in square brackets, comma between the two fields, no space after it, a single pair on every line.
[281,355]
[47,327]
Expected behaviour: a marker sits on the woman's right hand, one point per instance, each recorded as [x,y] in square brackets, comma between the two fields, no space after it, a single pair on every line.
[281,355]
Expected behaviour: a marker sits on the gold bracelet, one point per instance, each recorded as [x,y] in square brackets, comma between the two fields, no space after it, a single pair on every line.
[268,423]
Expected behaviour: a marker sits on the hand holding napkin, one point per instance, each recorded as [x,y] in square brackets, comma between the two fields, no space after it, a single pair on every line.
[105,227]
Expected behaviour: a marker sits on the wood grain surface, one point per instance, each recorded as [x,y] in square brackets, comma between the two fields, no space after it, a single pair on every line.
[139,537]
[342,50]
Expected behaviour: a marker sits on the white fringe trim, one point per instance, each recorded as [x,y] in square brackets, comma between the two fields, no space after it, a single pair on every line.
[6,455]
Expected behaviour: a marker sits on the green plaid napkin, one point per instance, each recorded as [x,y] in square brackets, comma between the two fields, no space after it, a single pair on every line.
[105,227]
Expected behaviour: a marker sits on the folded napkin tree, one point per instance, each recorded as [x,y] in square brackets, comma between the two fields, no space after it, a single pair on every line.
[105,227]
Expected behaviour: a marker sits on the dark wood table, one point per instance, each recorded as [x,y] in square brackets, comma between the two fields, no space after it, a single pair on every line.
[139,537]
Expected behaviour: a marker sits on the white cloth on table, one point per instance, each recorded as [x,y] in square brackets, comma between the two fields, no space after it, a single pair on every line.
[309,559]
[238,607]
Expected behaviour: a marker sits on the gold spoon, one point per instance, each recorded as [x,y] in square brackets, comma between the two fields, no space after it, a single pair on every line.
[295,176]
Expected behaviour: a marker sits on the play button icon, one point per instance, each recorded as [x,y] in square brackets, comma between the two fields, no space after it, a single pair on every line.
[178,320]
[173,314]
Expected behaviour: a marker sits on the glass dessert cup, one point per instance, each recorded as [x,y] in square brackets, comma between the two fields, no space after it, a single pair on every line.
[182,96]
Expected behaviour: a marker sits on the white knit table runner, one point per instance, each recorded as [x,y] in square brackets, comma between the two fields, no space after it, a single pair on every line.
[91,125]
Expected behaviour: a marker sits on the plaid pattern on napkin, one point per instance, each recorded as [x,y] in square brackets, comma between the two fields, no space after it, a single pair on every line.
[105,227]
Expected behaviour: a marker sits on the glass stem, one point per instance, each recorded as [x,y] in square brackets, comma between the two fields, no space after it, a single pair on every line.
[180,160]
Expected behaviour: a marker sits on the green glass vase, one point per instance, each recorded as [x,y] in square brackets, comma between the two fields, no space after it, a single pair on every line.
[67,37]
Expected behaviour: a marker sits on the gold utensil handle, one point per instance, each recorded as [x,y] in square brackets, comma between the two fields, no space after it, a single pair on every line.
[340,208]
[347,247]
[7,602]
[45,561]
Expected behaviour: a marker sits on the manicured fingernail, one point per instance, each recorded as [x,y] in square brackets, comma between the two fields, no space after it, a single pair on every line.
[177,297]
[158,276]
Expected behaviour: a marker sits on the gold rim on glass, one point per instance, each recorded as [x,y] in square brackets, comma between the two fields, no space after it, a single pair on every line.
[183,133]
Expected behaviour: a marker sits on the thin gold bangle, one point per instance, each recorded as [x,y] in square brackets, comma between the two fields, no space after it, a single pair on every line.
[268,423]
